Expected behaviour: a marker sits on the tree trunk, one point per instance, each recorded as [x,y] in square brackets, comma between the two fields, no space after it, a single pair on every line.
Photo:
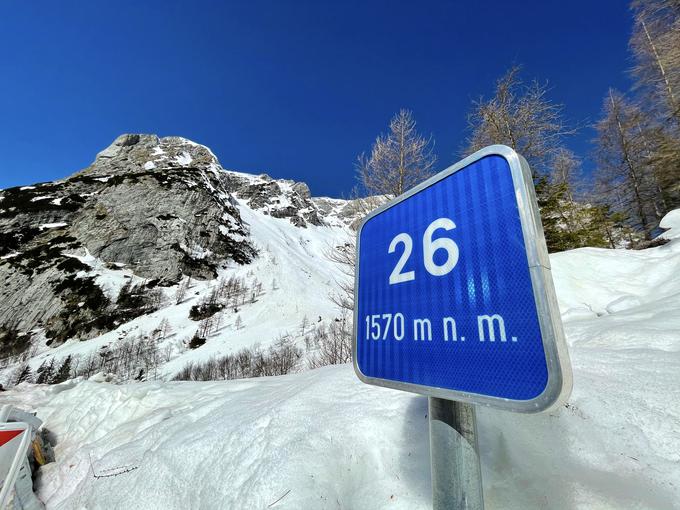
[662,71]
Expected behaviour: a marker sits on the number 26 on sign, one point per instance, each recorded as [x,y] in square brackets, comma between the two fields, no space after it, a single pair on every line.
[430,246]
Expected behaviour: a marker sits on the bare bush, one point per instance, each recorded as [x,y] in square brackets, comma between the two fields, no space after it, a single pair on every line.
[279,359]
[137,358]
[182,289]
[334,344]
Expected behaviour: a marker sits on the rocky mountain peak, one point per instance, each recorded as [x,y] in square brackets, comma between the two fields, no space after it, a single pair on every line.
[133,153]
[157,207]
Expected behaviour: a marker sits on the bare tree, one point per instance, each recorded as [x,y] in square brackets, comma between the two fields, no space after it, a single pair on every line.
[283,356]
[162,330]
[334,344]
[90,365]
[22,374]
[167,353]
[656,48]
[522,117]
[399,160]
[218,319]
[182,289]
[205,327]
[304,324]
[279,359]
[566,170]
[655,44]
[623,170]
[344,255]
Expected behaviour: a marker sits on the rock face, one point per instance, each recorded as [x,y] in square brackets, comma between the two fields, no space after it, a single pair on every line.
[287,199]
[157,206]
[345,213]
[278,198]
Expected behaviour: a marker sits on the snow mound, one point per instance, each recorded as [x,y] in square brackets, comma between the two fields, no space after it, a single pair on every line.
[316,438]
[671,222]
[592,282]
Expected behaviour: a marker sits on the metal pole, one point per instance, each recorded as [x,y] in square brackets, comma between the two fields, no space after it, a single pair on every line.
[454,454]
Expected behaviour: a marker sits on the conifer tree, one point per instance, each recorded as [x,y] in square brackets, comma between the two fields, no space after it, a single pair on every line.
[64,372]
[522,117]
[25,375]
[45,375]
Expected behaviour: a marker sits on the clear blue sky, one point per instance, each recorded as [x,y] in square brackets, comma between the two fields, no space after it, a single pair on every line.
[293,88]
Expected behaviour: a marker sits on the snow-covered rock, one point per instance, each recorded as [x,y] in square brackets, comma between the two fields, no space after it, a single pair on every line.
[147,202]
[277,198]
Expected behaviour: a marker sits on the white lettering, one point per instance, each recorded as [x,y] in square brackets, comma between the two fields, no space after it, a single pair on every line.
[490,321]
[419,327]
[449,323]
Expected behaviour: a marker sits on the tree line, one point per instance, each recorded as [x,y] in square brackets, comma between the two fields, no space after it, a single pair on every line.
[636,148]
[137,357]
[638,137]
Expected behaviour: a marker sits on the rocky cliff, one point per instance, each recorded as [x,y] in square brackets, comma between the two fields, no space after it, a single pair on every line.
[147,212]
[284,198]
[157,206]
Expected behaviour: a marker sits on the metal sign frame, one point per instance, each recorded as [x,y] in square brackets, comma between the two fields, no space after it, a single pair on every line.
[559,382]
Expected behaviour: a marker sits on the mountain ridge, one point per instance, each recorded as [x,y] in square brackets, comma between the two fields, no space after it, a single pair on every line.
[163,208]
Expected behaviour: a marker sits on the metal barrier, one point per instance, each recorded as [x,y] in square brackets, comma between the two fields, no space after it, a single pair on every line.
[17,432]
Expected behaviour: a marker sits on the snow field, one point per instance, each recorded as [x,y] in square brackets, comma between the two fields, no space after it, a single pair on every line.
[322,439]
[239,444]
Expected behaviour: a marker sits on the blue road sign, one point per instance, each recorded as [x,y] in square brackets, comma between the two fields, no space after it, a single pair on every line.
[453,293]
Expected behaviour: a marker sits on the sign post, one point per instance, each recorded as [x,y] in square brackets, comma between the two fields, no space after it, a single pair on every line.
[454,451]
[454,300]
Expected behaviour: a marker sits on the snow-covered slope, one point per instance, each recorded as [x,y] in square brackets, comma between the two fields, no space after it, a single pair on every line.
[322,439]
[272,237]
[292,266]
